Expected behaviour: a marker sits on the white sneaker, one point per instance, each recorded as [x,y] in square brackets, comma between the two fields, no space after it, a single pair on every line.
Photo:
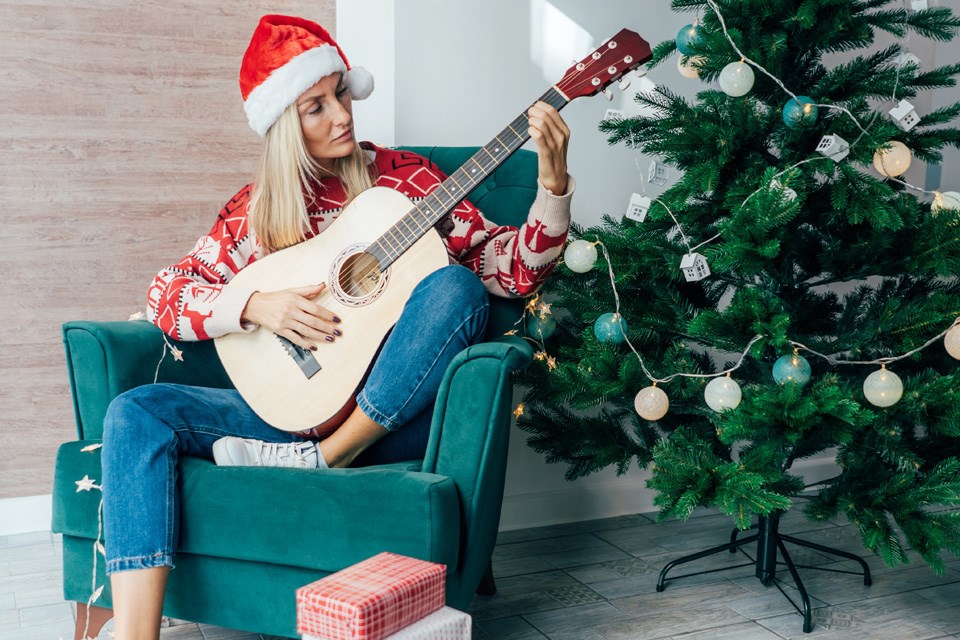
[245,452]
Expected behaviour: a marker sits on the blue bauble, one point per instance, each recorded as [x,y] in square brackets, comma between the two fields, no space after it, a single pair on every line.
[791,369]
[688,38]
[800,111]
[610,328]
[541,328]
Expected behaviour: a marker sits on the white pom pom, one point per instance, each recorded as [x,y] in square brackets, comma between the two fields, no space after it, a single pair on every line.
[360,82]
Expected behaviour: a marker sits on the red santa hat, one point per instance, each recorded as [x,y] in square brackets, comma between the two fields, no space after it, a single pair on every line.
[287,56]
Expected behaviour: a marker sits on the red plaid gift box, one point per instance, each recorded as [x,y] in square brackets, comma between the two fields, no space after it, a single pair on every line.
[371,599]
[444,624]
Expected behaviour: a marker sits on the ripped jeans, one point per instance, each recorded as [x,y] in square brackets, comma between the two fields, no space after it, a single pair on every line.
[148,428]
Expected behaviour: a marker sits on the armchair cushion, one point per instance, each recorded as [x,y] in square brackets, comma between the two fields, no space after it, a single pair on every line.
[327,527]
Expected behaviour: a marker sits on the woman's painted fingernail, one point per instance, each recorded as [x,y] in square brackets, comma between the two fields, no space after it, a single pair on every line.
[337,332]
[313,347]
[329,338]
[336,319]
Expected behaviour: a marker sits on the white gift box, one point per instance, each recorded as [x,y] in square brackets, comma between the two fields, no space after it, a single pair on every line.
[443,624]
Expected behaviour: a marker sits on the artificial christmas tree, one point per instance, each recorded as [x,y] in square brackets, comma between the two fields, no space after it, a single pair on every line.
[789,261]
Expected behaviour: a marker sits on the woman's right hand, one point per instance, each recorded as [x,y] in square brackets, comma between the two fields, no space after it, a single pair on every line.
[293,314]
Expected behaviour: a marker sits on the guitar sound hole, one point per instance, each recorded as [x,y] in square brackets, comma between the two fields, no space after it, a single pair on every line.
[359,275]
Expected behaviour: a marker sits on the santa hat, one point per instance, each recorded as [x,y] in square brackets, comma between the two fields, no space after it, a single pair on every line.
[287,56]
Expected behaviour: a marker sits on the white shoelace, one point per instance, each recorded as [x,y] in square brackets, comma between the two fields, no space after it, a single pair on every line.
[277,454]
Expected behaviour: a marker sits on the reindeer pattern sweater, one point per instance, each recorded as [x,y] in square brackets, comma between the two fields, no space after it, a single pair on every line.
[189,300]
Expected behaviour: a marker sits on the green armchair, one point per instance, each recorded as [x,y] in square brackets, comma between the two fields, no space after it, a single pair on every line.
[238,567]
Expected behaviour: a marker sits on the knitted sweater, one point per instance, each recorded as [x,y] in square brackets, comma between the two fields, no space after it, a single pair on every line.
[189,300]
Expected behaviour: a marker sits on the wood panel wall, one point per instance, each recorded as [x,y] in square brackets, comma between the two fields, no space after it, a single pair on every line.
[122,134]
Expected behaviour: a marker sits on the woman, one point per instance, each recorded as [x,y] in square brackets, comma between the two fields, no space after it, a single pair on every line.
[298,89]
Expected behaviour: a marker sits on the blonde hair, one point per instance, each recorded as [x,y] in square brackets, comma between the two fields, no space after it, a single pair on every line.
[286,175]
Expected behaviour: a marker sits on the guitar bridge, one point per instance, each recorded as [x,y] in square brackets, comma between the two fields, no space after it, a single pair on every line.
[302,357]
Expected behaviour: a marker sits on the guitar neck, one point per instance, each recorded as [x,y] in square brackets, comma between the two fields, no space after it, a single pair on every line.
[455,188]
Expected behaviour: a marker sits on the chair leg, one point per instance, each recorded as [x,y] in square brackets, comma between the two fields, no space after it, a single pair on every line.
[487,586]
[98,617]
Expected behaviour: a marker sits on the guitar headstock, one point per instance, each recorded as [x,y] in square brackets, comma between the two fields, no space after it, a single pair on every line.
[618,55]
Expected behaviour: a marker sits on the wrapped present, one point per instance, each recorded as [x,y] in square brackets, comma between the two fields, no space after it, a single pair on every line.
[371,599]
[444,624]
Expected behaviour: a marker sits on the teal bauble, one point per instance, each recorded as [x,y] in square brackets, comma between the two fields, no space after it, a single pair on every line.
[610,328]
[800,111]
[541,328]
[791,369]
[688,38]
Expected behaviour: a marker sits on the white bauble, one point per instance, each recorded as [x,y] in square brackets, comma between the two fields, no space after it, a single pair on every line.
[952,342]
[686,69]
[736,79]
[580,256]
[893,161]
[722,394]
[651,403]
[883,388]
[945,200]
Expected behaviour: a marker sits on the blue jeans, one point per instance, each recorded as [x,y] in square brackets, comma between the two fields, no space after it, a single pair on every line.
[148,428]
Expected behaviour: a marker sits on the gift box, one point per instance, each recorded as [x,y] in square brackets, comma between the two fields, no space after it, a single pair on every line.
[371,599]
[444,624]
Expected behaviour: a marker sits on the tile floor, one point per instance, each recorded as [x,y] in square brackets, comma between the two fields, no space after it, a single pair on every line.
[595,581]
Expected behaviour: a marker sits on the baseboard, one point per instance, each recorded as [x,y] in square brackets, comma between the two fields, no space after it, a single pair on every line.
[25,515]
[576,502]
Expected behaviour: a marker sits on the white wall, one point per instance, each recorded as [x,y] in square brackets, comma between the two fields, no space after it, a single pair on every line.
[463,70]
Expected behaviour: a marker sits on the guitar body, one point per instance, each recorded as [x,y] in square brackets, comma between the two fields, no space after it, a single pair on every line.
[293,395]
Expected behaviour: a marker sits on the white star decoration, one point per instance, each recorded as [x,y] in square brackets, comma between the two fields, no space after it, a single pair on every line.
[177,354]
[92,447]
[86,484]
[136,316]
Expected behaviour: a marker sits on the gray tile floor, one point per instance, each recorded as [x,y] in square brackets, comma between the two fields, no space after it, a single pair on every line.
[595,581]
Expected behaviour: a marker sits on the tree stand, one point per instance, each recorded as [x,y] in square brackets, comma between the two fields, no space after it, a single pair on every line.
[769,541]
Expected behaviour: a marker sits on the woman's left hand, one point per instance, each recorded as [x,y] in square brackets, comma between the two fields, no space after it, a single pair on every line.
[551,134]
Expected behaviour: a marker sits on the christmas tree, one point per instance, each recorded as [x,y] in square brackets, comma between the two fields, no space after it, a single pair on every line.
[788,294]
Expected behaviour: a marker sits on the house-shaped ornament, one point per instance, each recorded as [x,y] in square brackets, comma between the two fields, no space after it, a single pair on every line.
[638,207]
[657,173]
[834,147]
[904,115]
[694,267]
[919,5]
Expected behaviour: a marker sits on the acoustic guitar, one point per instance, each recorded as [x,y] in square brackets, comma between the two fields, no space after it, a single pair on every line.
[372,257]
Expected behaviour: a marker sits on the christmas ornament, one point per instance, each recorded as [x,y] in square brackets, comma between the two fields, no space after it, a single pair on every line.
[610,328]
[883,388]
[651,403]
[892,161]
[580,256]
[791,369]
[800,111]
[687,66]
[86,484]
[638,207]
[945,200]
[951,342]
[541,327]
[694,267]
[904,115]
[834,147]
[722,394]
[688,38]
[736,79]
[657,173]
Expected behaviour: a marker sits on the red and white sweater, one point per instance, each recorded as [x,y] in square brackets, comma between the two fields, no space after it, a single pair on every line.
[189,301]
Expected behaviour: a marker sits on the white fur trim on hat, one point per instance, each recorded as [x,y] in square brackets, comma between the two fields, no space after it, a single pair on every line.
[360,82]
[285,84]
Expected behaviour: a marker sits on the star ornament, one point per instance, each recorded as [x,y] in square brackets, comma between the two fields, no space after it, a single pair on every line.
[86,484]
[136,316]
[551,363]
[177,354]
[533,303]
[518,411]
[544,309]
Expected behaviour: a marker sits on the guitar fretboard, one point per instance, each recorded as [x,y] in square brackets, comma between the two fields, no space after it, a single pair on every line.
[455,188]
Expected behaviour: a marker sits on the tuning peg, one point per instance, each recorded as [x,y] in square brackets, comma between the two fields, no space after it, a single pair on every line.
[623,83]
[608,94]
[640,72]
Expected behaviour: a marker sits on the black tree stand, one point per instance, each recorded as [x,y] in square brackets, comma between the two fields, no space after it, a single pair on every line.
[769,541]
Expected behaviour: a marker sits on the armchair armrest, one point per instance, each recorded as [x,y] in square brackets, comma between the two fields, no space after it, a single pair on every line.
[104,359]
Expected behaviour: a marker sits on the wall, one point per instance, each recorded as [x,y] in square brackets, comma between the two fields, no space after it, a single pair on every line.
[463,70]
[122,134]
